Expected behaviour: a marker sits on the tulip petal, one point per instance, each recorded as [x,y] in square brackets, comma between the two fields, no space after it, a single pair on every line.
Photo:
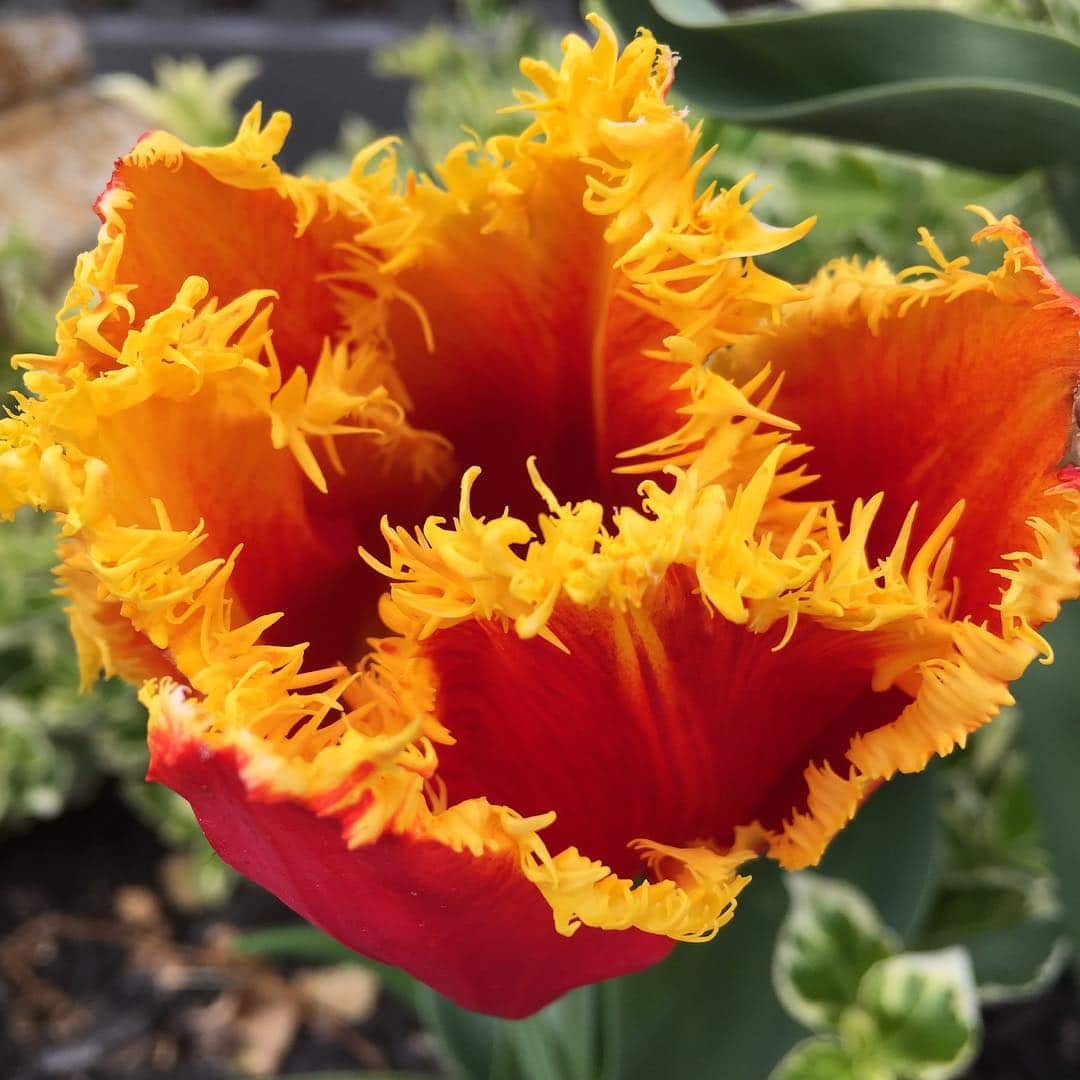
[571,274]
[179,370]
[935,386]
[470,925]
[231,216]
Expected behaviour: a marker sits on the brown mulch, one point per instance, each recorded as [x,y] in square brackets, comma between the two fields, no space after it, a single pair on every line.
[102,977]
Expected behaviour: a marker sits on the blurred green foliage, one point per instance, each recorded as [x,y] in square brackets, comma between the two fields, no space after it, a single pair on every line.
[57,743]
[26,308]
[871,202]
[461,81]
[48,750]
[189,99]
[1062,15]
[997,870]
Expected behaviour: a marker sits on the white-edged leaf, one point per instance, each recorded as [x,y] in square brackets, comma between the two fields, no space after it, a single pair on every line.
[831,937]
[918,1013]
[821,1057]
[1020,962]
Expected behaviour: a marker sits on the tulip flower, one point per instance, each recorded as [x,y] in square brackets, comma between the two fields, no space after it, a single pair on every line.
[506,558]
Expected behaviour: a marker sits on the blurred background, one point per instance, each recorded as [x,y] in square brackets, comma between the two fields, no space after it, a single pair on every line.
[126,948]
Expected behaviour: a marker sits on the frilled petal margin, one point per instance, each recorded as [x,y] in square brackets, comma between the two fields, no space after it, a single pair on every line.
[940,386]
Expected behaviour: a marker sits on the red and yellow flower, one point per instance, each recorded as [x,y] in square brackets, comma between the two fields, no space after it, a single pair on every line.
[738,552]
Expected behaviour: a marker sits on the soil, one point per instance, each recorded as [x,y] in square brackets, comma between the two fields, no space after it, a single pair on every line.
[102,977]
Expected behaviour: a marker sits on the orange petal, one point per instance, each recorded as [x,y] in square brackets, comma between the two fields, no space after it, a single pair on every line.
[228,215]
[212,380]
[934,390]
[569,274]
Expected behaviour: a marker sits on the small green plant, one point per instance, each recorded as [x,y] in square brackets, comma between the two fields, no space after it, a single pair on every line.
[189,99]
[26,307]
[878,1013]
[58,743]
[462,78]
[55,743]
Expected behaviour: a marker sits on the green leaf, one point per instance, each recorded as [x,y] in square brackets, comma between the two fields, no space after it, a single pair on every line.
[1049,700]
[976,91]
[1063,184]
[891,850]
[831,937]
[997,896]
[986,900]
[1019,962]
[468,1038]
[293,941]
[708,1010]
[819,1058]
[561,1042]
[918,1013]
[989,813]
[365,1075]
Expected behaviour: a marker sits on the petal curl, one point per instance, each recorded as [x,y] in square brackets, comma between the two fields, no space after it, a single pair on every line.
[951,395]
[231,216]
[170,385]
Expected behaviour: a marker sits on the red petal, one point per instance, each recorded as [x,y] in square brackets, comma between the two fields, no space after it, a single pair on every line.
[473,928]
[668,723]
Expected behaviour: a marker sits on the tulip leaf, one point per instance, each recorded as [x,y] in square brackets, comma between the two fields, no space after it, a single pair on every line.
[468,1038]
[708,1009]
[1049,700]
[365,1075]
[891,850]
[294,941]
[561,1042]
[1063,187]
[831,937]
[972,90]
[917,1014]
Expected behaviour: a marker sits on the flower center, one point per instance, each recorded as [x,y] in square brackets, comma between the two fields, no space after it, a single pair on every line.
[537,350]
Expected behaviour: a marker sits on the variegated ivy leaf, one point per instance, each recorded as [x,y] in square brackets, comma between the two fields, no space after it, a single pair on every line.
[821,1057]
[917,1015]
[831,937]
